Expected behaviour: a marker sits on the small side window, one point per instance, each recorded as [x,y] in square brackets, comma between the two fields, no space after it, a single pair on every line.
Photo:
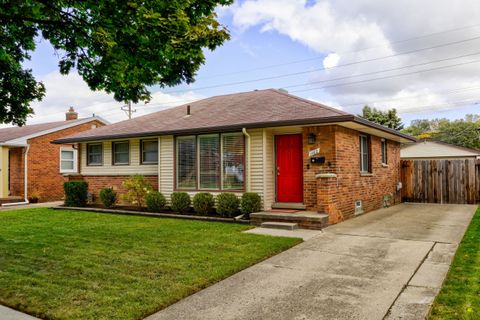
[364,154]
[384,151]
[149,151]
[121,153]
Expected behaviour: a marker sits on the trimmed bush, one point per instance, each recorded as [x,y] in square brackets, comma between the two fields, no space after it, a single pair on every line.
[108,197]
[227,204]
[203,203]
[251,202]
[180,202]
[155,201]
[75,193]
[137,188]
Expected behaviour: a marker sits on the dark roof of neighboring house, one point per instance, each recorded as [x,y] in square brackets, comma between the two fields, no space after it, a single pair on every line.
[254,109]
[7,134]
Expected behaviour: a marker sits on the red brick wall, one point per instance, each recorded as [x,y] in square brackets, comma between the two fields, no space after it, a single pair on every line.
[97,183]
[17,172]
[337,196]
[44,176]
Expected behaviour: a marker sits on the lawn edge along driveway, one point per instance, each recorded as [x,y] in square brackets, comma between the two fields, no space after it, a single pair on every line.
[459,297]
[60,264]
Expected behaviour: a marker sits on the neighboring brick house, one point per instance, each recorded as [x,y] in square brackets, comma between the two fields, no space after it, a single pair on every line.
[46,163]
[297,154]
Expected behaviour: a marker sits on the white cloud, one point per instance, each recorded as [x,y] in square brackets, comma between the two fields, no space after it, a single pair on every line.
[65,91]
[368,29]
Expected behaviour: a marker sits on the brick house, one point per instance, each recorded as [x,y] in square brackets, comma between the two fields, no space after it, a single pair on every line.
[31,165]
[297,154]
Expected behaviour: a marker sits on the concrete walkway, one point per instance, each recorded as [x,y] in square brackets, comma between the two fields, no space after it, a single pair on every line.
[32,205]
[386,264]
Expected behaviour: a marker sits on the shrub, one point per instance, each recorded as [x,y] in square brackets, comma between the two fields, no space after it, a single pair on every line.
[75,193]
[203,203]
[155,201]
[180,202]
[251,202]
[108,197]
[137,188]
[227,204]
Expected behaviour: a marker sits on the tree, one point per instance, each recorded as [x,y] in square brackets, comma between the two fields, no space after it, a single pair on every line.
[121,47]
[387,118]
[463,132]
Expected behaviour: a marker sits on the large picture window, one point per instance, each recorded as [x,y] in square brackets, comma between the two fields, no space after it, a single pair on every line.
[210,162]
[149,151]
[94,154]
[121,152]
[364,154]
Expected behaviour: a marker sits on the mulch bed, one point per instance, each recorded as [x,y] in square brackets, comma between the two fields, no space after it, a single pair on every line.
[134,211]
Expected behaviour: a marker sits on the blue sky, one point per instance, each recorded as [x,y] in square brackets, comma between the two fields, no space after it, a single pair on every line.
[274,38]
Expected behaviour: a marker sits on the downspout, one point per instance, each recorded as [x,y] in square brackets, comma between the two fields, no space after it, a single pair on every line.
[25,178]
[248,175]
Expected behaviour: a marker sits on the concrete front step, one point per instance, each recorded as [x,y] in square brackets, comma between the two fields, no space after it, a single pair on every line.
[304,219]
[279,225]
[289,205]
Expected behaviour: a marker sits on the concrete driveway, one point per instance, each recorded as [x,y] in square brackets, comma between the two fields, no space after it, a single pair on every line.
[386,264]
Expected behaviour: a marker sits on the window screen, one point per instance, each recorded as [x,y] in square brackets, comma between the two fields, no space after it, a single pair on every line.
[121,154]
[149,151]
[384,151]
[186,157]
[209,161]
[233,150]
[94,154]
[67,160]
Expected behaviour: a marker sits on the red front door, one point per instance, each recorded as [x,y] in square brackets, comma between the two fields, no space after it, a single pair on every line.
[289,168]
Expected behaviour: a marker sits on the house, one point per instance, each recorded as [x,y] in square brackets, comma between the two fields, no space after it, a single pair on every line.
[429,149]
[295,153]
[31,165]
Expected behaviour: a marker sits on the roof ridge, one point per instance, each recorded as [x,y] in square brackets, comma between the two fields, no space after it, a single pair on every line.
[313,103]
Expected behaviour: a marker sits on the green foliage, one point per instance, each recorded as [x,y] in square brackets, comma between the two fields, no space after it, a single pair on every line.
[180,202]
[108,197]
[121,47]
[156,201]
[203,203]
[462,132]
[388,118]
[137,188]
[75,193]
[227,204]
[251,202]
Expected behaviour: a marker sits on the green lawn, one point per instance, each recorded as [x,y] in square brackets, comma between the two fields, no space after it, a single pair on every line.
[460,295]
[82,265]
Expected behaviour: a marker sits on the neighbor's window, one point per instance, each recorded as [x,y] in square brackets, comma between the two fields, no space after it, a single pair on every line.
[94,154]
[149,151]
[68,160]
[211,161]
[384,151]
[364,154]
[121,152]
[186,158]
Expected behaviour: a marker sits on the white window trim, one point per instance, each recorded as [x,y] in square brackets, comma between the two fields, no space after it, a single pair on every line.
[75,160]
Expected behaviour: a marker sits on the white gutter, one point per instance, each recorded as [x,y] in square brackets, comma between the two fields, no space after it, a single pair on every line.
[244,131]
[25,178]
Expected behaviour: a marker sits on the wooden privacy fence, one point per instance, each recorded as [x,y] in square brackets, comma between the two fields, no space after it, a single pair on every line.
[441,181]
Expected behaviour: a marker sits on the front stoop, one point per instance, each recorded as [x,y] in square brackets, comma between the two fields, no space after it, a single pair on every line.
[304,219]
[289,205]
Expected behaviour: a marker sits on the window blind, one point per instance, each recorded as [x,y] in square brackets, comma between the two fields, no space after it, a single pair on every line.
[233,168]
[209,161]
[186,157]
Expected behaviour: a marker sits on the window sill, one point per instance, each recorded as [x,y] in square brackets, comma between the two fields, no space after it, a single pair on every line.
[384,165]
[69,173]
[366,174]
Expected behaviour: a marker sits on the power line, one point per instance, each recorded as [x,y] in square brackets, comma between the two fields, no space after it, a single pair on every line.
[342,53]
[323,68]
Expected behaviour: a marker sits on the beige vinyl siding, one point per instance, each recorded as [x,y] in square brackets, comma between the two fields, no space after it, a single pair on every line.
[166,166]
[256,164]
[269,169]
[107,169]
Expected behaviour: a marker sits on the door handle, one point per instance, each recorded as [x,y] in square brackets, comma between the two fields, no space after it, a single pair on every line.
[278,171]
